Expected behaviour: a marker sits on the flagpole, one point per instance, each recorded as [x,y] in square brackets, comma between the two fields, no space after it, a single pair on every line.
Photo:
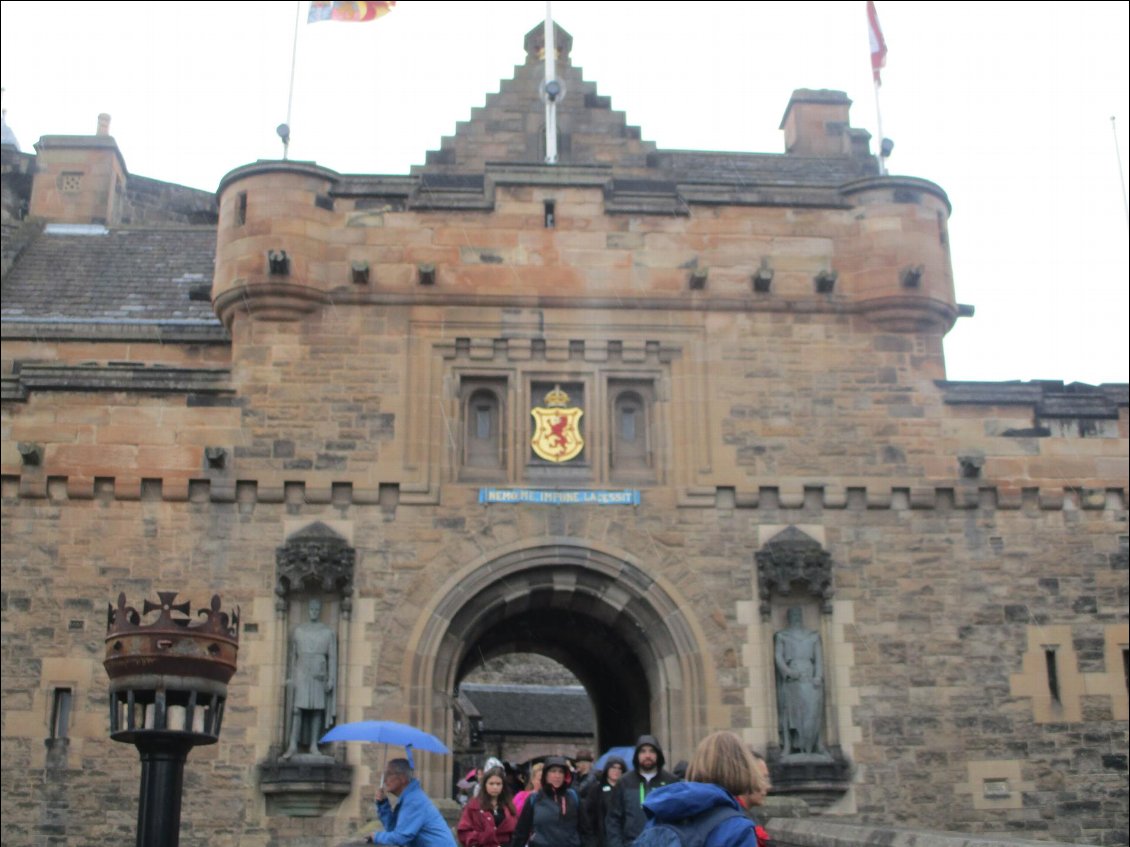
[293,63]
[550,99]
[1121,175]
[879,128]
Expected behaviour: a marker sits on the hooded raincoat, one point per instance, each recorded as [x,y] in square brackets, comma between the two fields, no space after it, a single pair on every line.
[688,806]
[550,817]
[625,818]
[594,804]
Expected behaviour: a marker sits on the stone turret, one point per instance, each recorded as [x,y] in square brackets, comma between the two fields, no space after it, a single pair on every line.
[273,238]
[893,263]
[896,264]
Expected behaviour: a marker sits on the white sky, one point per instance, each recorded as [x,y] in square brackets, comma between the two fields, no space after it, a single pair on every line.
[1007,106]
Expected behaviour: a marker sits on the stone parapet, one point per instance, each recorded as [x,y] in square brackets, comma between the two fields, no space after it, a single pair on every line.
[116,377]
[364,493]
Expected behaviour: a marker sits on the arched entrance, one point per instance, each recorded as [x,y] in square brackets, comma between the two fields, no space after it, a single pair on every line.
[623,633]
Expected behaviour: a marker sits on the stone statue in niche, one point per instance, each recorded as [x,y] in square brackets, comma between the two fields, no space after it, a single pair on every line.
[313,680]
[799,661]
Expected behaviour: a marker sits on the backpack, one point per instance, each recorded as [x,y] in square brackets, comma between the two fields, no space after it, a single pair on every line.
[690,832]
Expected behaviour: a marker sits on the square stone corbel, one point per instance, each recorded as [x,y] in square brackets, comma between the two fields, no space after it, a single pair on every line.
[31,454]
[911,276]
[763,279]
[825,282]
[278,263]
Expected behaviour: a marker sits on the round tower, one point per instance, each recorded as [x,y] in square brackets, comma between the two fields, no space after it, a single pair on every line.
[896,264]
[273,240]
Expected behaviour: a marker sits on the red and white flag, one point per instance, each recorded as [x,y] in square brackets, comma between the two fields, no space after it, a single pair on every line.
[878,44]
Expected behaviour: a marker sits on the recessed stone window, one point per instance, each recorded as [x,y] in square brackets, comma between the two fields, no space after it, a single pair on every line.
[61,712]
[483,405]
[1052,669]
[631,452]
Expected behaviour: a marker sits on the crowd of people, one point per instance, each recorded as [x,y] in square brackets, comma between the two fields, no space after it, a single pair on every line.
[561,803]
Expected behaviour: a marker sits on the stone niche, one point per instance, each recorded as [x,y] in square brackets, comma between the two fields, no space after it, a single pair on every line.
[794,575]
[313,604]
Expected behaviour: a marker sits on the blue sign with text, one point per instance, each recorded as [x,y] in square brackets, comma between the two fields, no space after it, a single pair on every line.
[626,497]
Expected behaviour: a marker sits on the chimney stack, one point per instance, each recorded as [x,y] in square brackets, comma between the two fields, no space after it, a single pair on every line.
[79,178]
[816,123]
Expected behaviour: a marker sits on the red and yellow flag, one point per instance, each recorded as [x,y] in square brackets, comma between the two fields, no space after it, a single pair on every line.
[350,11]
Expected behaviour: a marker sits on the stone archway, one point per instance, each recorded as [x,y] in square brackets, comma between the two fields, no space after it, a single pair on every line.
[624,633]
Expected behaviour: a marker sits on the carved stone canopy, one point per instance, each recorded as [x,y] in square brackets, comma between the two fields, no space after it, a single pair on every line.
[793,558]
[317,559]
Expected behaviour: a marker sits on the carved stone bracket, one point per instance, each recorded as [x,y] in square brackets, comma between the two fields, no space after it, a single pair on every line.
[316,558]
[308,786]
[818,780]
[790,558]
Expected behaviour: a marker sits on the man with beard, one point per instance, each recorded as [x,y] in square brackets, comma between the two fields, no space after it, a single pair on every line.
[625,818]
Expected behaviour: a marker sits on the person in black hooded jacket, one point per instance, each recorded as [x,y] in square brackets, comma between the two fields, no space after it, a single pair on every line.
[594,804]
[550,817]
[625,818]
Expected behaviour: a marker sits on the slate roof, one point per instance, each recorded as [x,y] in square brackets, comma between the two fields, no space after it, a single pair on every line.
[1048,398]
[760,168]
[122,277]
[532,709]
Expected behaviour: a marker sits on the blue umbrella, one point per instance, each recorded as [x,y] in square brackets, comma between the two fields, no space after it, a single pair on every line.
[624,753]
[387,732]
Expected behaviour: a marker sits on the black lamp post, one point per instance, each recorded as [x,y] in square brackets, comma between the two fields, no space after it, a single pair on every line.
[168,685]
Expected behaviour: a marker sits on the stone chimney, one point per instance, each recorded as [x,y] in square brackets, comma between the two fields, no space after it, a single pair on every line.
[79,178]
[816,123]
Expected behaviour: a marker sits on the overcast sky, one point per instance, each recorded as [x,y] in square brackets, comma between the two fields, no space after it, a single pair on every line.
[1007,106]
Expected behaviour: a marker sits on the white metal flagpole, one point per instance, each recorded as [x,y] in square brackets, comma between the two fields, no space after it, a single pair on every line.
[284,130]
[550,98]
[879,129]
[878,61]
[1121,175]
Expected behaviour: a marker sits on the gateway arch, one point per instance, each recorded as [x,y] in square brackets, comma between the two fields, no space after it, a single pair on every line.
[625,635]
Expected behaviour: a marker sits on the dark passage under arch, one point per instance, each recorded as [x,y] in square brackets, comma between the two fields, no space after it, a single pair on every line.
[603,617]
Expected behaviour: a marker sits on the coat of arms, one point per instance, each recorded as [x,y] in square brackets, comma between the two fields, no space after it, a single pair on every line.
[557,432]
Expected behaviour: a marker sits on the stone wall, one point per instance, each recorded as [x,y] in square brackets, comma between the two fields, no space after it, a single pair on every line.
[928,656]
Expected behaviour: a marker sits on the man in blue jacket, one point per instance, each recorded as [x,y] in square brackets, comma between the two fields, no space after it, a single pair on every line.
[415,821]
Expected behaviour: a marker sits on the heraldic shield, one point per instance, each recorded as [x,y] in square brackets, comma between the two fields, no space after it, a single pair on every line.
[557,428]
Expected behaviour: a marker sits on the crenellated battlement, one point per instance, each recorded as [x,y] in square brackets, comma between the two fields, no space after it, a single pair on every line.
[785,497]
